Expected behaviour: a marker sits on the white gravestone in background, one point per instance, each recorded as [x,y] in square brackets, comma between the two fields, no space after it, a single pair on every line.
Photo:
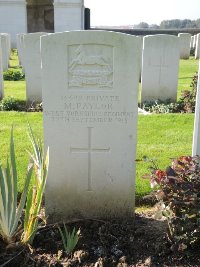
[5,46]
[185,40]
[160,66]
[90,85]
[32,64]
[195,40]
[196,133]
[197,49]
[19,40]
[192,42]
[1,75]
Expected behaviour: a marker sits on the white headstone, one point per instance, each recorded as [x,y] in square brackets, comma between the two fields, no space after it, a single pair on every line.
[90,84]
[5,46]
[32,64]
[185,39]
[1,75]
[194,40]
[196,133]
[197,50]
[19,41]
[160,66]
[68,15]
[13,18]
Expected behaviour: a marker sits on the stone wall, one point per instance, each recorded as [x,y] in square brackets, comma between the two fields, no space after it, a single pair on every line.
[40,16]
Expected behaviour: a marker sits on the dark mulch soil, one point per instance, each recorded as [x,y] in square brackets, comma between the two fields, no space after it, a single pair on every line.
[104,243]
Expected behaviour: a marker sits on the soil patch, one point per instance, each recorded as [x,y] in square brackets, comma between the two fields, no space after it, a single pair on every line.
[121,243]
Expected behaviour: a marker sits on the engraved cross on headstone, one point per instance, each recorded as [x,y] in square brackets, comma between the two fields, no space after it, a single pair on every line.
[161,65]
[89,150]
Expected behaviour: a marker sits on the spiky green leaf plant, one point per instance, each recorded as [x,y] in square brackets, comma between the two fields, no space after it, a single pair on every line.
[10,212]
[69,240]
[35,194]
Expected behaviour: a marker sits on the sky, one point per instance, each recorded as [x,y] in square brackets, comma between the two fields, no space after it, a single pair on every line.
[130,12]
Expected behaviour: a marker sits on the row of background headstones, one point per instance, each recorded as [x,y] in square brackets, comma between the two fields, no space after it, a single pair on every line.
[159,50]
[195,44]
[28,48]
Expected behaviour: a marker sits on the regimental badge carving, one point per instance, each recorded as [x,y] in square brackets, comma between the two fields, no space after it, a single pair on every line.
[90,66]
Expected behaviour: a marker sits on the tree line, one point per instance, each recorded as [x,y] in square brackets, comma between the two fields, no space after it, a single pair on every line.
[171,24]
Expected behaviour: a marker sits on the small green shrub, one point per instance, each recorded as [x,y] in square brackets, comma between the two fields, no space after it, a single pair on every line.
[159,106]
[188,97]
[186,104]
[10,103]
[192,52]
[35,107]
[178,193]
[13,75]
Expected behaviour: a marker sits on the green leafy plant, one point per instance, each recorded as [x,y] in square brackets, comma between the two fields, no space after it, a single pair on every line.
[10,103]
[178,193]
[192,52]
[186,103]
[35,194]
[69,240]
[188,97]
[159,106]
[35,107]
[10,212]
[13,75]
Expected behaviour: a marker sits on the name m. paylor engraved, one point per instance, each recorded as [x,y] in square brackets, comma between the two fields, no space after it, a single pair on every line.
[88,106]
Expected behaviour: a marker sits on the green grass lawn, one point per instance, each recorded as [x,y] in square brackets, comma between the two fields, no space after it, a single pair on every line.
[159,136]
[163,137]
[17,89]
[14,60]
[22,144]
[187,69]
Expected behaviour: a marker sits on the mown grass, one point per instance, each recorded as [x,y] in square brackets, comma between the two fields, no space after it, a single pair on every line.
[14,60]
[187,69]
[163,137]
[16,89]
[22,144]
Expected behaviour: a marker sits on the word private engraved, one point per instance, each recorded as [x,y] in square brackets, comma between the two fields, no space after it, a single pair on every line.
[90,66]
